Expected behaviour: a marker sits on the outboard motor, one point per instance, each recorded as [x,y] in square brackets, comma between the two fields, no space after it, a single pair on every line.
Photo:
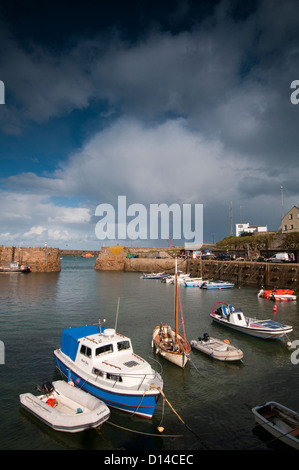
[206,337]
[48,387]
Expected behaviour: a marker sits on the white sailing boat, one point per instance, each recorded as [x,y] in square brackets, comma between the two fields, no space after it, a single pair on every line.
[167,342]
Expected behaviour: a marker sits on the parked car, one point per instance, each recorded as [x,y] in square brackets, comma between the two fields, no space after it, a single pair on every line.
[208,256]
[224,257]
[259,259]
[281,258]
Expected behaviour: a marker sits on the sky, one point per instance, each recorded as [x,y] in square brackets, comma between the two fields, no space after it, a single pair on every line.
[172,102]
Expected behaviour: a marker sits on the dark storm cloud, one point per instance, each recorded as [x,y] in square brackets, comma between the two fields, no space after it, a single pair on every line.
[188,102]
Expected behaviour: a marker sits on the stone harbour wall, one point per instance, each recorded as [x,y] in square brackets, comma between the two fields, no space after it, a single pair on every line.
[40,259]
[269,275]
[252,273]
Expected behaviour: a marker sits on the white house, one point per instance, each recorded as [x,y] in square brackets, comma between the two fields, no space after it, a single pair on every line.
[246,228]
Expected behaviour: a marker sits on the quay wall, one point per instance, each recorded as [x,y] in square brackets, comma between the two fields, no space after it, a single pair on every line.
[40,259]
[240,272]
[269,275]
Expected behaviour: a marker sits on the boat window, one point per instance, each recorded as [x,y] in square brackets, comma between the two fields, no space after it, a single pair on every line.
[98,372]
[115,377]
[85,350]
[123,345]
[104,349]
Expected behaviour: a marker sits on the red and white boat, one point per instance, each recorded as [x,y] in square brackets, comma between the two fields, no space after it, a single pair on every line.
[277,294]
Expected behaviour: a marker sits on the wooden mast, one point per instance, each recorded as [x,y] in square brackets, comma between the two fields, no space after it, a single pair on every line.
[176,302]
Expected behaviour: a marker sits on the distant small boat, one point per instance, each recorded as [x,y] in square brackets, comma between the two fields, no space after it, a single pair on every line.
[181,279]
[87,255]
[234,318]
[277,294]
[280,421]
[217,285]
[15,267]
[194,282]
[217,349]
[154,275]
[66,408]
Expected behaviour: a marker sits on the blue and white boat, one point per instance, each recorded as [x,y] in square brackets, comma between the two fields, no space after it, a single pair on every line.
[102,362]
[194,282]
[217,285]
[234,318]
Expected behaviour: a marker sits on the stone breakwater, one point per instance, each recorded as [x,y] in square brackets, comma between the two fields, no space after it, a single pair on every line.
[40,259]
[136,260]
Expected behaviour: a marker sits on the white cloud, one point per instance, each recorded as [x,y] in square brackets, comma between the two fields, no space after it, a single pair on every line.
[34,231]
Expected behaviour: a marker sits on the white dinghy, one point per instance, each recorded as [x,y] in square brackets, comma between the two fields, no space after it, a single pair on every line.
[280,421]
[217,349]
[66,408]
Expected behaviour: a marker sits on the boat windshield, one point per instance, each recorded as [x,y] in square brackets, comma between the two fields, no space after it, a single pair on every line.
[121,345]
[107,348]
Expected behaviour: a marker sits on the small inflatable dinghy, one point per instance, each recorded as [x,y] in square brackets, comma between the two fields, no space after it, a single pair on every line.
[66,408]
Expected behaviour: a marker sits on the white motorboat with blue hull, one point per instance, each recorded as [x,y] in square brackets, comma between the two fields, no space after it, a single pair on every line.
[234,318]
[102,362]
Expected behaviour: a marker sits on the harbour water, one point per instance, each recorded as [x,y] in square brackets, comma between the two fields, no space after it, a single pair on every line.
[213,399]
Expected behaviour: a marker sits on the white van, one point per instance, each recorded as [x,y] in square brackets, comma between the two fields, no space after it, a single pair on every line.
[281,258]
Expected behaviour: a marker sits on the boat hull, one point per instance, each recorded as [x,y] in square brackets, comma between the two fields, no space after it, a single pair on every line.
[274,422]
[67,415]
[258,331]
[218,349]
[142,403]
[179,358]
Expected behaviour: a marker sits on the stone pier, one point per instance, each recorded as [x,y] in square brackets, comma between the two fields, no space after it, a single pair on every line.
[40,259]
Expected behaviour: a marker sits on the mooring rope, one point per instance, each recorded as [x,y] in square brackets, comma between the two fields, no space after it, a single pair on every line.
[142,432]
[179,417]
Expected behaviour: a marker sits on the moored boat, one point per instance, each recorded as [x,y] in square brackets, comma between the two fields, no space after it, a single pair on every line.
[167,341]
[234,318]
[103,363]
[154,275]
[280,421]
[181,279]
[66,408]
[217,285]
[277,294]
[217,349]
[15,267]
[171,345]
[194,282]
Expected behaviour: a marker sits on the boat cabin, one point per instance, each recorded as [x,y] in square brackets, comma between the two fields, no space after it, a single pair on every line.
[102,353]
[233,315]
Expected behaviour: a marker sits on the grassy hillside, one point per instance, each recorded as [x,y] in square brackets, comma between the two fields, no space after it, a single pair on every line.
[262,241]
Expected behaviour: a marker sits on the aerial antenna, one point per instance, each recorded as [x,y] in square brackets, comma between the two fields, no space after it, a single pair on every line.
[117,313]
